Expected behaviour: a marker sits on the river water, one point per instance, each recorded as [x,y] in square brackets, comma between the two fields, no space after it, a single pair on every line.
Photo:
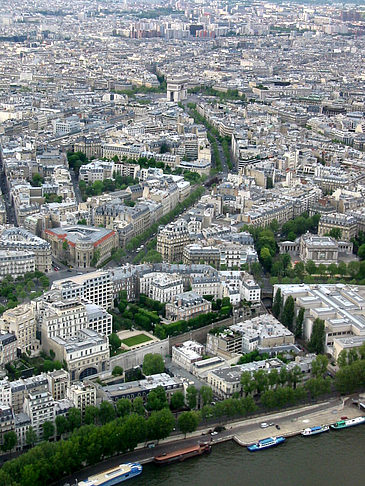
[335,458]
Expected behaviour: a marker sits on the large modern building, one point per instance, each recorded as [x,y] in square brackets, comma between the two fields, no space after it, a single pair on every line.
[82,246]
[341,307]
[94,287]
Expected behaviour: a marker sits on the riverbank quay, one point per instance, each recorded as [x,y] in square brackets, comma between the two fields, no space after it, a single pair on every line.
[243,432]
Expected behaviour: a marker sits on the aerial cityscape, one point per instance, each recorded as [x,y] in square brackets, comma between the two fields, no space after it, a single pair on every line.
[182,242]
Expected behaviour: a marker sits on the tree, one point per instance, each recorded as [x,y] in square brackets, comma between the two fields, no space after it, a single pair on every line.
[48,430]
[156,399]
[206,394]
[316,343]
[30,437]
[91,415]
[299,323]
[266,259]
[276,308]
[177,401]
[138,407]
[62,425]
[160,424]
[74,418]
[335,233]
[106,412]
[114,342]
[353,268]
[319,366]
[123,407]
[333,269]
[299,269]
[342,359]
[342,268]
[288,313]
[311,267]
[188,422]
[117,371]
[247,382]
[361,252]
[9,441]
[153,364]
[191,395]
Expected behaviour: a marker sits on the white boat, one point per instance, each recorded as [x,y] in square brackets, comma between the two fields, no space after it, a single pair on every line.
[343,424]
[114,476]
[319,429]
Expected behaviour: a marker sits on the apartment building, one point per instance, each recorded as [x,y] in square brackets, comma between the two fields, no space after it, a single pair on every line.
[21,322]
[161,286]
[16,263]
[22,240]
[82,395]
[171,241]
[8,348]
[58,383]
[40,407]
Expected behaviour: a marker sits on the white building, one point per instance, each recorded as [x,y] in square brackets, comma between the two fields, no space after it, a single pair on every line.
[187,353]
[82,395]
[161,286]
[40,407]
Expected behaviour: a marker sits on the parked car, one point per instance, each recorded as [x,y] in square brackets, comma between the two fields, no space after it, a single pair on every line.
[214,433]
[264,425]
[277,426]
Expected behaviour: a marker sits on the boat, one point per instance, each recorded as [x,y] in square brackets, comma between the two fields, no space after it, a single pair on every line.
[343,424]
[114,476]
[266,443]
[318,429]
[182,454]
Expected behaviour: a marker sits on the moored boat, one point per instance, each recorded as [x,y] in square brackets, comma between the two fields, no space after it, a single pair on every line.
[344,424]
[114,476]
[318,429]
[266,443]
[182,454]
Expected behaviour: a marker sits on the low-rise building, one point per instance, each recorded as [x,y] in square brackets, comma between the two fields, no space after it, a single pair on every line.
[141,388]
[187,305]
[187,353]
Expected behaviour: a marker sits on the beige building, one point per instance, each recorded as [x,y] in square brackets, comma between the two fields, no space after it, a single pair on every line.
[16,263]
[85,354]
[171,241]
[82,395]
[343,222]
[21,321]
[8,348]
[58,383]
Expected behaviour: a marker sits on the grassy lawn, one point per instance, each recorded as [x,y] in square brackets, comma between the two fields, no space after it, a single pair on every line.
[134,340]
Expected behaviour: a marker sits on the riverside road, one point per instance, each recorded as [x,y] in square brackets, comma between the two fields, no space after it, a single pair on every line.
[246,431]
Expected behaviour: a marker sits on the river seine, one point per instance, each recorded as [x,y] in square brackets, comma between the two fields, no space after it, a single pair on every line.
[330,459]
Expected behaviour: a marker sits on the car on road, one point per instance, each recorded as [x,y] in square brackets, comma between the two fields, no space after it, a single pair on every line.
[271,424]
[277,426]
[55,269]
[264,425]
[214,433]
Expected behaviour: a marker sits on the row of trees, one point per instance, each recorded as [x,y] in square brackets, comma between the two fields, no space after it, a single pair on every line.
[179,208]
[179,327]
